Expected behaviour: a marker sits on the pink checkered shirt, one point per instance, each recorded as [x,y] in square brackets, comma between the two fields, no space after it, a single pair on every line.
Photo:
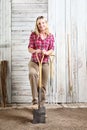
[36,42]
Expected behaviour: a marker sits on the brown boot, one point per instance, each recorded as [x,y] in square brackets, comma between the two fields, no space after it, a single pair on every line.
[34,101]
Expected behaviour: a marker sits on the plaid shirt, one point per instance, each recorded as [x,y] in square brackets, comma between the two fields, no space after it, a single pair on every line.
[36,42]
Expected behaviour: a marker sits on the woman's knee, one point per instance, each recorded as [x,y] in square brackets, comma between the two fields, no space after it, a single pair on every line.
[32,73]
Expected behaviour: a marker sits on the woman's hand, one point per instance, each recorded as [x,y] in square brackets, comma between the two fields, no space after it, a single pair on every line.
[31,50]
[49,52]
[38,51]
[44,52]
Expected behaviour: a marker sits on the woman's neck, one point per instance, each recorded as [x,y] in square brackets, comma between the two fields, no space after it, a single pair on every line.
[42,32]
[43,35]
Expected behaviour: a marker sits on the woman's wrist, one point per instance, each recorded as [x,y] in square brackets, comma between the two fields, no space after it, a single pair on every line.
[34,51]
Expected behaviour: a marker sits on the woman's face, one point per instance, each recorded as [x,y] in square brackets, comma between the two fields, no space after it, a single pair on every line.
[41,24]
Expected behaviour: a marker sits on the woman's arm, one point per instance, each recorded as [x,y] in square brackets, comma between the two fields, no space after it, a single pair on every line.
[31,50]
[49,52]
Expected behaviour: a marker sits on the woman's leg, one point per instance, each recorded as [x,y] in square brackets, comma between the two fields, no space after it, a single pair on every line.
[45,74]
[33,77]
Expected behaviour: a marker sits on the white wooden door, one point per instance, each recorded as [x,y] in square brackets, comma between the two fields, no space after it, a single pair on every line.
[68,19]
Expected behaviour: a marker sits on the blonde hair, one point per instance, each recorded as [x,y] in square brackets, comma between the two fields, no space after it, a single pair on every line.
[36,30]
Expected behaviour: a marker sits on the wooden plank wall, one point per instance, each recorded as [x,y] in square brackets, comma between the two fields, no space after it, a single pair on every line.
[24,13]
[68,22]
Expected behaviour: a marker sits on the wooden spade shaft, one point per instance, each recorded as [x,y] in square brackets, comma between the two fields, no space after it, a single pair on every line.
[40,78]
[3,83]
[39,114]
[51,69]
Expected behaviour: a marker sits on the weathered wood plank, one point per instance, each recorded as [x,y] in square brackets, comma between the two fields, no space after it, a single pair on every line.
[21,84]
[23,28]
[30,15]
[21,99]
[82,72]
[68,59]
[29,1]
[29,6]
[51,89]
[21,37]
[60,51]
[22,41]
[74,55]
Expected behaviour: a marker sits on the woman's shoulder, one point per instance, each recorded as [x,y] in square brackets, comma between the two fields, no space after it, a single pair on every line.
[33,33]
[51,35]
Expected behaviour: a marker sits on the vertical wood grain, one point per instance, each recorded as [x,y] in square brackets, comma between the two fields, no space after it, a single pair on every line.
[5,41]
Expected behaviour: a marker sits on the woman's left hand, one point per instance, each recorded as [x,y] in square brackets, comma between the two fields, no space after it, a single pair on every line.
[44,52]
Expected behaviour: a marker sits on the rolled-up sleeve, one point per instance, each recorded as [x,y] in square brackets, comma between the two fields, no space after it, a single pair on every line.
[51,45]
[31,41]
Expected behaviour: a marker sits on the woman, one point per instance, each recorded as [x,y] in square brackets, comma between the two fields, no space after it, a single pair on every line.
[41,42]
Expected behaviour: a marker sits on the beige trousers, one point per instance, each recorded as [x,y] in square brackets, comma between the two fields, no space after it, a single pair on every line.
[34,76]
